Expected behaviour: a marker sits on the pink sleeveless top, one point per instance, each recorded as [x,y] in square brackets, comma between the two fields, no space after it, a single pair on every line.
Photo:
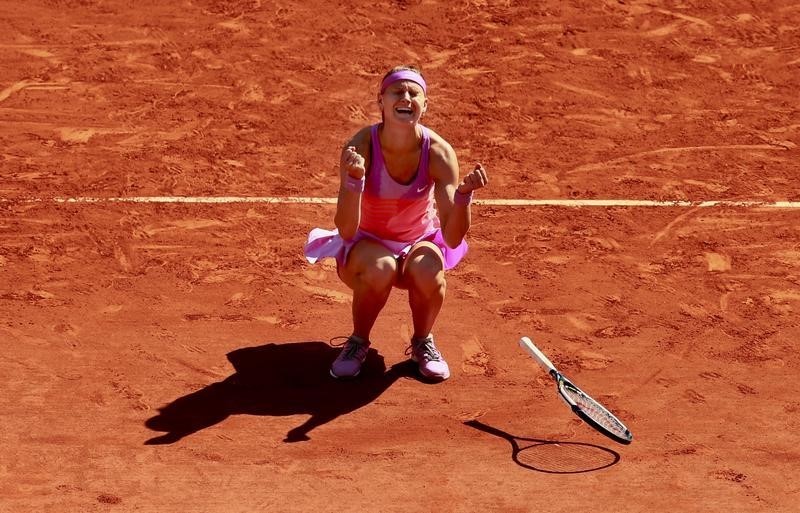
[397,215]
[394,211]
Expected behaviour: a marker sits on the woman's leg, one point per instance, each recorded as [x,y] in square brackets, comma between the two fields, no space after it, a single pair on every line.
[423,276]
[371,271]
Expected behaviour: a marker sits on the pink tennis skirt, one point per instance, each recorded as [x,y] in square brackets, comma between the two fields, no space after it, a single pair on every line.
[329,244]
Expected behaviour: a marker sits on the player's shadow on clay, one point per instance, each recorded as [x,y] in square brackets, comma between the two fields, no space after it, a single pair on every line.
[551,456]
[277,380]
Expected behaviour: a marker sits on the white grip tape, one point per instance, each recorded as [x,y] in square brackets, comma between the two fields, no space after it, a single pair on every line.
[527,344]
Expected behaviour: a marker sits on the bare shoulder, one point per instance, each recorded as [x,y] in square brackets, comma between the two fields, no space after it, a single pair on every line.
[360,140]
[439,146]
[444,162]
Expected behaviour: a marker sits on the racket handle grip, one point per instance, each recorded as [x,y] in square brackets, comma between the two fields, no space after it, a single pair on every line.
[527,345]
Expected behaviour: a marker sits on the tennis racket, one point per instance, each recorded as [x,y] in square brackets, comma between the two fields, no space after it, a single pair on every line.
[589,410]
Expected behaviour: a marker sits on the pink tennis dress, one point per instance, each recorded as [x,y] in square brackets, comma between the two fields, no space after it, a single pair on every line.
[394,214]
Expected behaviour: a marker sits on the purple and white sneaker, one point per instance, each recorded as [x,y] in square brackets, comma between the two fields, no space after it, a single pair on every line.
[348,363]
[429,359]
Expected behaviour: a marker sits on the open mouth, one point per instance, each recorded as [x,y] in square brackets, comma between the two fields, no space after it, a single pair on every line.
[404,110]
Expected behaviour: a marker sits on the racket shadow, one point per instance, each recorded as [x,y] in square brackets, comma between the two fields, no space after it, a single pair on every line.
[551,456]
[278,379]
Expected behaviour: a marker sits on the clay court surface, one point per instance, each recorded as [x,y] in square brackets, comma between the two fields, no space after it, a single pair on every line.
[172,356]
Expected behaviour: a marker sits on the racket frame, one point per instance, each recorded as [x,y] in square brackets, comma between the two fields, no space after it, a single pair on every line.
[562,382]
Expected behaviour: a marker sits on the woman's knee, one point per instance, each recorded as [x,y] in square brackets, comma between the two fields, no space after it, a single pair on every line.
[370,265]
[378,274]
[425,274]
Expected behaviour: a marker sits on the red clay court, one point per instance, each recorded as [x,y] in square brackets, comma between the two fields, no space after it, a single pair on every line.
[167,344]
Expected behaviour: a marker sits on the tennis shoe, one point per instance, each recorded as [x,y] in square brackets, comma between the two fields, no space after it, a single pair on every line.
[352,356]
[429,359]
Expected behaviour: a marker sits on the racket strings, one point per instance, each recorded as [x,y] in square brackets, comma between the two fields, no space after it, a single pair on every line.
[596,411]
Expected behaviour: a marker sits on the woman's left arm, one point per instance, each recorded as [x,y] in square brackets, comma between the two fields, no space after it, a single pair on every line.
[453,197]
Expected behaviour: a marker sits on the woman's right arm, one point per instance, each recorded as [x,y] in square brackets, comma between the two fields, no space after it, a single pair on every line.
[353,166]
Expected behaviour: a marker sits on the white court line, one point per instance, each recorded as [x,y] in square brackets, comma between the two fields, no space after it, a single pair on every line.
[489,202]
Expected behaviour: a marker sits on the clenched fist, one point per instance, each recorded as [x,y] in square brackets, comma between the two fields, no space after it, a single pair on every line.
[474,180]
[353,163]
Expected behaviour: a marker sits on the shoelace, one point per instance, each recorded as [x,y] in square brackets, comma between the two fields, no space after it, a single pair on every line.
[426,349]
[350,348]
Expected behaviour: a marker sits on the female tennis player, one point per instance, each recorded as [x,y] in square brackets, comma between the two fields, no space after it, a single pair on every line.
[401,217]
